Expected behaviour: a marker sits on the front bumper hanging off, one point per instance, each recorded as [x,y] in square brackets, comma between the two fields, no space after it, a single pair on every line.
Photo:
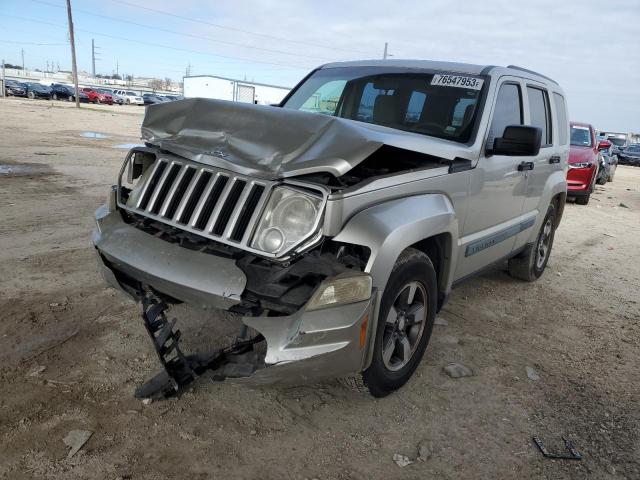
[303,347]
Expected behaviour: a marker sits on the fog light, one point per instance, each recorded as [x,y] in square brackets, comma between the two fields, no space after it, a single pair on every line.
[340,291]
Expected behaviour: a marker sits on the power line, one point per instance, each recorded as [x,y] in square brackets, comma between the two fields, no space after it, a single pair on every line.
[32,43]
[168,47]
[235,29]
[190,35]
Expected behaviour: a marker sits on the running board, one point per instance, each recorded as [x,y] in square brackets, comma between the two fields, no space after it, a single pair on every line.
[179,370]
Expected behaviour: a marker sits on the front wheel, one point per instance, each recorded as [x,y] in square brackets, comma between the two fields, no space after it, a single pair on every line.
[530,263]
[405,321]
[55,96]
[31,95]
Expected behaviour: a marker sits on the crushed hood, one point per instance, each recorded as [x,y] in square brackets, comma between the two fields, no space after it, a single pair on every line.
[272,142]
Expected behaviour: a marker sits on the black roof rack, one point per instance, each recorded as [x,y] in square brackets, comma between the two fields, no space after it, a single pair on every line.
[515,67]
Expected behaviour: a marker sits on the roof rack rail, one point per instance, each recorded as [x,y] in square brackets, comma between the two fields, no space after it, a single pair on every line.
[515,67]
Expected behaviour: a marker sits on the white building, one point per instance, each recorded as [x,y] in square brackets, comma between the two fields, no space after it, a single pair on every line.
[208,86]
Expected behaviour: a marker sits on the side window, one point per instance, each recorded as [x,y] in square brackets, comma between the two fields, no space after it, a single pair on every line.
[540,113]
[508,110]
[563,123]
[325,99]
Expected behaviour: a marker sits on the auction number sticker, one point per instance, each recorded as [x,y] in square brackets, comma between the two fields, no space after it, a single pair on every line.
[459,81]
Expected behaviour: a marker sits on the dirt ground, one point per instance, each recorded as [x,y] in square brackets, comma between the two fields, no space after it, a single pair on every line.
[72,351]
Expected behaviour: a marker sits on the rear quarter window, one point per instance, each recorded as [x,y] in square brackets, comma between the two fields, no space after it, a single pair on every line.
[540,113]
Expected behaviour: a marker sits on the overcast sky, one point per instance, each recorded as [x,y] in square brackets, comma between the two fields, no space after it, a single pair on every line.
[592,48]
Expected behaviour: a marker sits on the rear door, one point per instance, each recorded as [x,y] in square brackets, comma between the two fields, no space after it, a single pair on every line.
[497,190]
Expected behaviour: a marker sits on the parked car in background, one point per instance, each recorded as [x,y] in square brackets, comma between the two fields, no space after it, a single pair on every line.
[584,162]
[630,155]
[130,98]
[174,97]
[609,161]
[96,97]
[62,92]
[620,141]
[117,99]
[13,88]
[37,90]
[150,99]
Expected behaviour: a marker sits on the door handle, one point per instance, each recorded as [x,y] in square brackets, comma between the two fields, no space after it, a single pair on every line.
[555,159]
[525,166]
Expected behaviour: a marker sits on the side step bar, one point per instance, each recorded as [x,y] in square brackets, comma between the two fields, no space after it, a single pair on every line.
[179,370]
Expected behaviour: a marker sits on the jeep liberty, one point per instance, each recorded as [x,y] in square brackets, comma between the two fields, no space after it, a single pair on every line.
[336,224]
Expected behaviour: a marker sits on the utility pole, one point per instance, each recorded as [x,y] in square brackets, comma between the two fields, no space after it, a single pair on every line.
[22,51]
[386,46]
[93,58]
[117,68]
[74,69]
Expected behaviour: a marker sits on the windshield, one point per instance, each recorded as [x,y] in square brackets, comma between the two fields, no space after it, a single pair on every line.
[618,142]
[580,137]
[438,105]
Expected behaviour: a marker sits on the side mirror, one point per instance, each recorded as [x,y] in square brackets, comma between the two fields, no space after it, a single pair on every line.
[518,141]
[604,145]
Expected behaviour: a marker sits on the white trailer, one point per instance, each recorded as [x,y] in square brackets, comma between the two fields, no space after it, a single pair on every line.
[221,88]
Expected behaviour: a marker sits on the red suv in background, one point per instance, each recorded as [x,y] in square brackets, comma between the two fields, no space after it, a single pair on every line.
[97,97]
[584,161]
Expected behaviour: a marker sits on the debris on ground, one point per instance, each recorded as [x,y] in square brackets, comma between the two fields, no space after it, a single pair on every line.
[440,321]
[457,370]
[425,451]
[532,374]
[402,460]
[38,370]
[572,455]
[147,401]
[76,440]
[623,205]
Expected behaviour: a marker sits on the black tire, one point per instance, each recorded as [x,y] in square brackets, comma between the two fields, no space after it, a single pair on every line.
[96,101]
[583,199]
[602,180]
[528,265]
[412,266]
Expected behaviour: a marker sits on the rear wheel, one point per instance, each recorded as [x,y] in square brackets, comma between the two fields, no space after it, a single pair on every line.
[55,96]
[530,264]
[31,95]
[405,322]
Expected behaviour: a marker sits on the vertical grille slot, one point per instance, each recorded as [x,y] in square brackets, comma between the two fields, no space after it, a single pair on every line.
[164,189]
[207,208]
[179,192]
[151,186]
[247,211]
[228,207]
[198,190]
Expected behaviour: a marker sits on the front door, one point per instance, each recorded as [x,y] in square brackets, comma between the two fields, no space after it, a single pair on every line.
[496,193]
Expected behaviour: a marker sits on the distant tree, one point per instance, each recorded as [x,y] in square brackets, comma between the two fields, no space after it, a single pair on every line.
[156,84]
[115,76]
[167,83]
[11,65]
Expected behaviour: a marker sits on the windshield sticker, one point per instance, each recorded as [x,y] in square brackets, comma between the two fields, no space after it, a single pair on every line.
[459,81]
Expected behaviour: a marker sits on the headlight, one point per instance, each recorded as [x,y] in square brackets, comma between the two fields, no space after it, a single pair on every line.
[340,291]
[580,165]
[289,218]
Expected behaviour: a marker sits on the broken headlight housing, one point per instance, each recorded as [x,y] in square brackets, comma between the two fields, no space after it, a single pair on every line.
[289,218]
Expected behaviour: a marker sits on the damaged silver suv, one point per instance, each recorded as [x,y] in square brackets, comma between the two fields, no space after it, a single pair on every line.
[335,224]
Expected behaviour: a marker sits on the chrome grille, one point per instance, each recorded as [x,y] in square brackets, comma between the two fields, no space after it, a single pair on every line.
[213,203]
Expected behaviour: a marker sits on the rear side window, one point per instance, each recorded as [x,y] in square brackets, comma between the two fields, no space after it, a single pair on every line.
[508,110]
[540,113]
[563,123]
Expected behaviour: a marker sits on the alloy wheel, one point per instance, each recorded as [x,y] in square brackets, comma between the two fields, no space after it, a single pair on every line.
[404,326]
[544,244]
